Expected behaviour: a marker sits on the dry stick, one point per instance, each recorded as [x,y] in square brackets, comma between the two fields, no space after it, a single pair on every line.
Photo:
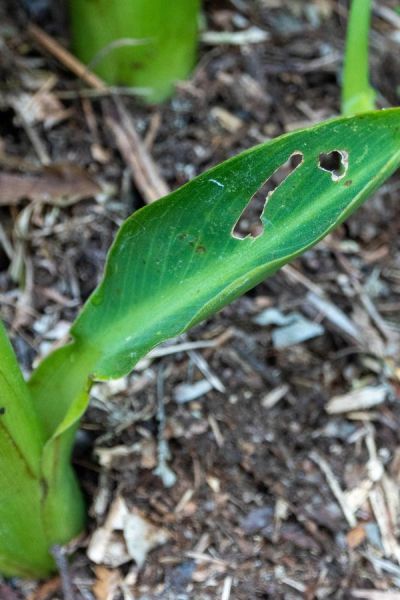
[132,148]
[65,57]
[63,568]
[335,488]
[388,14]
[134,153]
[162,470]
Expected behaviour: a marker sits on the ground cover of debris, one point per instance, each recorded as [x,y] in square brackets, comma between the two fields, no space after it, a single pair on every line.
[259,455]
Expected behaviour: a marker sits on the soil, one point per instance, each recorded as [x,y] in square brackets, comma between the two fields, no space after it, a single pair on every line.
[263,469]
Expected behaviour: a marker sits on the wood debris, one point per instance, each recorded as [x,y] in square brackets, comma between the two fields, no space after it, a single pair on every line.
[359,399]
[126,535]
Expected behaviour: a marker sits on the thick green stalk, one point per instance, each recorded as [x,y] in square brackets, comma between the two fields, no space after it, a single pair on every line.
[140,43]
[23,544]
[357,94]
[36,510]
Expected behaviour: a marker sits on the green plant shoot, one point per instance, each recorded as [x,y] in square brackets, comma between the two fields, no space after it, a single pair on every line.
[173,264]
[357,94]
[25,533]
[147,44]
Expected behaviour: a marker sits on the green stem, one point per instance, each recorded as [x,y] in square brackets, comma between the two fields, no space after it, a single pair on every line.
[357,93]
[141,43]
[40,503]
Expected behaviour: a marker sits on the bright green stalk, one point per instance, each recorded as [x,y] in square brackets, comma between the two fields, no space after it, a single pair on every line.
[28,525]
[23,544]
[357,94]
[164,35]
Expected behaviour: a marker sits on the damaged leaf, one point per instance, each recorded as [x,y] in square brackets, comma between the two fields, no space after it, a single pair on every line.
[177,261]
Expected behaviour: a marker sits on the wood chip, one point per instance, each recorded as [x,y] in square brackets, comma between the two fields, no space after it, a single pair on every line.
[335,488]
[252,35]
[355,536]
[335,316]
[226,590]
[361,399]
[107,583]
[375,595]
[226,119]
[274,396]
[186,392]
[390,545]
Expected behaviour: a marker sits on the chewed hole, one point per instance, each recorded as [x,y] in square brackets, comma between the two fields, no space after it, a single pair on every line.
[249,222]
[336,163]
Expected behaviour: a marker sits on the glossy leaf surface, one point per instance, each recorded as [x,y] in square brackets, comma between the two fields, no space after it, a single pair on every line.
[176,261]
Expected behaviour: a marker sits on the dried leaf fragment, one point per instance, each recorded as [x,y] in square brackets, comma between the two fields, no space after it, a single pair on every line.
[125,535]
[141,536]
[56,182]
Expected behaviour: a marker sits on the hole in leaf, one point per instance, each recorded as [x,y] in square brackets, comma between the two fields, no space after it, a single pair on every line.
[336,163]
[249,222]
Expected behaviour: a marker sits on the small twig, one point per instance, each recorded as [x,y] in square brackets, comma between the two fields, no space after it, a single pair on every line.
[32,134]
[386,13]
[335,488]
[390,546]
[293,274]
[132,148]
[181,347]
[374,314]
[226,590]
[135,155]
[203,366]
[154,126]
[96,94]
[219,438]
[66,58]
[61,561]
[374,594]
[163,470]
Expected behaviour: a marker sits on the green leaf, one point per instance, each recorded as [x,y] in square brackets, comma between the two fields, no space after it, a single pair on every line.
[176,261]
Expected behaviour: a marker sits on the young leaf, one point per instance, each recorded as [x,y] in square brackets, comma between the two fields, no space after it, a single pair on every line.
[176,261]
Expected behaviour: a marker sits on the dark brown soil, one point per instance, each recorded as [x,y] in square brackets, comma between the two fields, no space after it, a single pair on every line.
[253,513]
